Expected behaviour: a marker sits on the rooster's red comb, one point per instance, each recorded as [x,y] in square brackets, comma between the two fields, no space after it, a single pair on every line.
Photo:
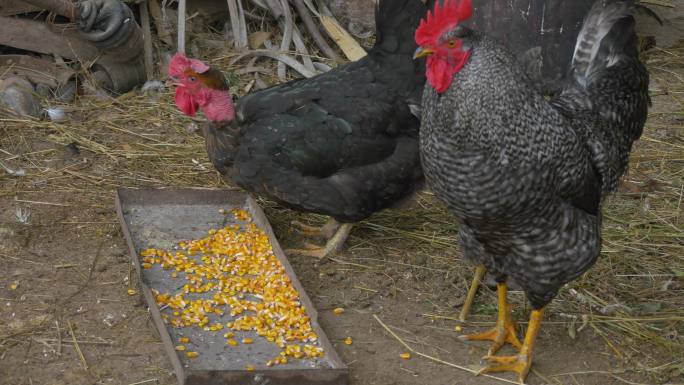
[445,16]
[180,63]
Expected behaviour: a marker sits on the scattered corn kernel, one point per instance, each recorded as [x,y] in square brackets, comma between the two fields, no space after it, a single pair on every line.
[406,355]
[348,341]
[234,265]
[131,291]
[147,265]
[14,285]
[458,328]
[249,368]
[338,311]
[184,340]
[180,348]
[192,354]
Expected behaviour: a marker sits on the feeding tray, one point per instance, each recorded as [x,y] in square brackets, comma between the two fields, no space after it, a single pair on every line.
[161,219]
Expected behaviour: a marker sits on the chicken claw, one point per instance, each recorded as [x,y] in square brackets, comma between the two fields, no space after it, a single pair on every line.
[521,362]
[327,230]
[504,331]
[332,247]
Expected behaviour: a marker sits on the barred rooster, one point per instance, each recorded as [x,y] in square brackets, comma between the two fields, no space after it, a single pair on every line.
[525,176]
[343,143]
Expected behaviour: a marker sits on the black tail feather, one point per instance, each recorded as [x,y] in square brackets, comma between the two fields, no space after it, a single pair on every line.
[396,22]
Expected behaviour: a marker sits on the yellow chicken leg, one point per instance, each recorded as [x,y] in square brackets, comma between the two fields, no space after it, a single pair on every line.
[521,362]
[331,247]
[479,274]
[504,331]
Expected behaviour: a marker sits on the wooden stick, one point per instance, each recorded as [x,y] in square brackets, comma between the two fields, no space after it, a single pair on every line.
[351,48]
[289,60]
[287,37]
[147,38]
[301,49]
[181,26]
[409,348]
[160,22]
[237,24]
[314,32]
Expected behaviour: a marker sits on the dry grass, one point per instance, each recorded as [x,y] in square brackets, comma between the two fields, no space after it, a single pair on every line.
[633,296]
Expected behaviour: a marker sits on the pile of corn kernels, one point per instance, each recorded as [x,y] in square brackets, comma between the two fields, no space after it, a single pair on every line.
[236,264]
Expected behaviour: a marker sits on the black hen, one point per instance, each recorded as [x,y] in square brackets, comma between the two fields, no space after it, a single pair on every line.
[343,143]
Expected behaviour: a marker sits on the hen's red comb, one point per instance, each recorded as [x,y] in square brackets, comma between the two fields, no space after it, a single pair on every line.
[445,16]
[180,63]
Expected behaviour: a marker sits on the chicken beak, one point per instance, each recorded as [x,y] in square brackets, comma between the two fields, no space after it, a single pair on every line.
[422,52]
[173,82]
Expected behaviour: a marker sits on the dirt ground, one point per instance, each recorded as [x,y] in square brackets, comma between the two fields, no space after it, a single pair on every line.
[66,315]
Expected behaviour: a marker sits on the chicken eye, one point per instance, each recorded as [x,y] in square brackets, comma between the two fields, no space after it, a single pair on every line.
[192,79]
[451,43]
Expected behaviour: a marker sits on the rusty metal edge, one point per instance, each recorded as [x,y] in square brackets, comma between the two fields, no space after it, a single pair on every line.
[147,293]
[339,371]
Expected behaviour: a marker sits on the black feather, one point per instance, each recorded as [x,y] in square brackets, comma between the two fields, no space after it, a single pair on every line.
[343,143]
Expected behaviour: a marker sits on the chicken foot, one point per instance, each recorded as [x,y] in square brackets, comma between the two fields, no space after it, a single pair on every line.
[521,362]
[327,230]
[504,331]
[331,247]
[479,274]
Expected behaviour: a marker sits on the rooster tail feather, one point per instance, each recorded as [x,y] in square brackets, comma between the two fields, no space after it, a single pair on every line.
[607,35]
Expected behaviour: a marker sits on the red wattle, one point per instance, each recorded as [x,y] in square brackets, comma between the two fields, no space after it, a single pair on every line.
[185,102]
[440,71]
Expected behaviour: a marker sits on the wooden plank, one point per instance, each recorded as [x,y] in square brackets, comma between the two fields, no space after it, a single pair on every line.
[16,7]
[37,36]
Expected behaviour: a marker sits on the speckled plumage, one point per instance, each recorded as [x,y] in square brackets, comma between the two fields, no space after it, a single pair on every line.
[525,176]
[343,143]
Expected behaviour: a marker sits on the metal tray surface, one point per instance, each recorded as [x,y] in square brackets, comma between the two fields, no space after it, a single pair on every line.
[160,218]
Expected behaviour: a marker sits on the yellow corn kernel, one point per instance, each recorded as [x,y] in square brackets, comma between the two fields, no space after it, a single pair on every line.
[249,368]
[221,265]
[192,354]
[458,328]
[14,285]
[131,291]
[405,355]
[184,340]
[348,341]
[147,265]
[180,348]
[338,311]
